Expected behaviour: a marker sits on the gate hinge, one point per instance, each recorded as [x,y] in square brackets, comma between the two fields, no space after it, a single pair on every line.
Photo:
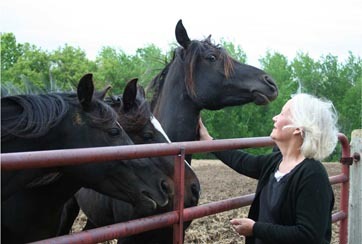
[346,160]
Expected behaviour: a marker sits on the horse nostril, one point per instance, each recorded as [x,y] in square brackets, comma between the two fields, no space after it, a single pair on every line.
[269,80]
[165,186]
[271,83]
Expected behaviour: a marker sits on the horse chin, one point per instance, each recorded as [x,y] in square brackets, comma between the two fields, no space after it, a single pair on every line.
[260,99]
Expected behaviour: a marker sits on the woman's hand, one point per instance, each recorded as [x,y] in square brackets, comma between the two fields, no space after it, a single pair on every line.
[203,133]
[243,226]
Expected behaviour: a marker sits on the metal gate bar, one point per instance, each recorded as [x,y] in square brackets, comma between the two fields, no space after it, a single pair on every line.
[13,161]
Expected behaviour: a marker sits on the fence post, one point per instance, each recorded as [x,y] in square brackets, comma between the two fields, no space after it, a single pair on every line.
[179,181]
[355,194]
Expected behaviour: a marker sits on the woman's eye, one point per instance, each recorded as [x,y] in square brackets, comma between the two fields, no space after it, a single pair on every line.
[114,132]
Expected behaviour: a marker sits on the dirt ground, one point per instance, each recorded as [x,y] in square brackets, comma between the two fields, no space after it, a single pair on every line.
[219,182]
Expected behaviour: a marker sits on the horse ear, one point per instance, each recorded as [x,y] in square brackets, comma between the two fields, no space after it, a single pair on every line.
[141,91]
[208,39]
[85,91]
[102,94]
[181,35]
[129,94]
[115,102]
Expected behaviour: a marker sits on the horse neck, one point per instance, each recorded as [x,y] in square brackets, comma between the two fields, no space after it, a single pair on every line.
[175,110]
[62,189]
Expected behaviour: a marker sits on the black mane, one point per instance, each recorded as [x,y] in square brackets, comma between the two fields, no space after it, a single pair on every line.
[32,116]
[156,85]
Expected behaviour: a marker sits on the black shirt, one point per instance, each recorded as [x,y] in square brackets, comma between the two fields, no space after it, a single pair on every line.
[307,199]
[271,200]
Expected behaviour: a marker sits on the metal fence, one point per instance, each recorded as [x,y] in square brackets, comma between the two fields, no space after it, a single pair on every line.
[55,158]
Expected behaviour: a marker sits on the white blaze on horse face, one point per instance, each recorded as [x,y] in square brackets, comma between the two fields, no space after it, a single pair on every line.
[158,127]
[118,124]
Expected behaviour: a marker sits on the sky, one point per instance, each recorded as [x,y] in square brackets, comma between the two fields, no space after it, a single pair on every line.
[315,27]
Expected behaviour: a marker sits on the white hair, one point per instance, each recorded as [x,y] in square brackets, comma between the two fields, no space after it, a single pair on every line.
[317,120]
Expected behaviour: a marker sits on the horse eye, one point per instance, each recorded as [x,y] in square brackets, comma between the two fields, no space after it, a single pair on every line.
[114,132]
[147,136]
[211,58]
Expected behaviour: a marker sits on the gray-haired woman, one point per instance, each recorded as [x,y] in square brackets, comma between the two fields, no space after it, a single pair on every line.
[294,199]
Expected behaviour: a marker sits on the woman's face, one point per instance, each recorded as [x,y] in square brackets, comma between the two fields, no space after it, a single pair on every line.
[281,120]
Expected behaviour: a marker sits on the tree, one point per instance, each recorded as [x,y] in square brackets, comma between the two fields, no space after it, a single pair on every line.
[306,72]
[115,67]
[349,106]
[67,66]
[235,51]
[10,51]
[27,68]
[24,66]
[152,61]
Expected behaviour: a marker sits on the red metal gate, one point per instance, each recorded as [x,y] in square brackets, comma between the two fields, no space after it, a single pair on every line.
[13,161]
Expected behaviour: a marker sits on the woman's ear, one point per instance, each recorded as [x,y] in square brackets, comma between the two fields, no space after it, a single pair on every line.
[298,131]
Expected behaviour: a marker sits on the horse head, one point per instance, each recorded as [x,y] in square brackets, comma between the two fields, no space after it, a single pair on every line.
[215,80]
[85,121]
[202,75]
[136,117]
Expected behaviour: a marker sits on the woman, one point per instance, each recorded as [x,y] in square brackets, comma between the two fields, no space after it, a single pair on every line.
[294,199]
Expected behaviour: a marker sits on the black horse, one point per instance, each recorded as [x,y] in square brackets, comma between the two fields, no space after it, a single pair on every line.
[136,118]
[203,76]
[34,198]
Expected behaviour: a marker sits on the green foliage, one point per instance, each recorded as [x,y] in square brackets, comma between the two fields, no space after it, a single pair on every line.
[116,67]
[27,68]
[10,51]
[31,69]
[306,72]
[152,61]
[236,52]
[22,63]
[67,66]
